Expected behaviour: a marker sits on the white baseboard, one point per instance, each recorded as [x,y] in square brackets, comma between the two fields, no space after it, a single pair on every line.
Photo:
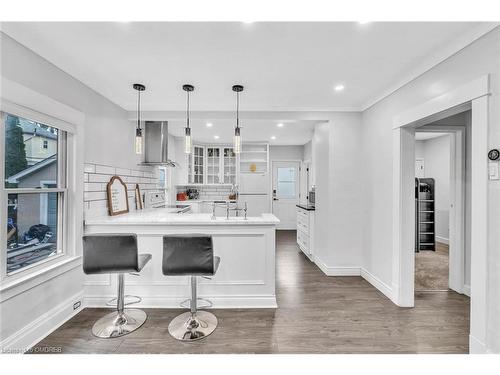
[476,346]
[169,302]
[337,271]
[377,283]
[466,290]
[356,271]
[446,241]
[40,328]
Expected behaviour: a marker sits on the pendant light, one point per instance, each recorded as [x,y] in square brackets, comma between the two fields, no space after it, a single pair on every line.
[237,137]
[138,130]
[187,138]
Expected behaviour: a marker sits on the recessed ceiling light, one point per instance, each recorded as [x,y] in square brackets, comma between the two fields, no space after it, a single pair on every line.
[280,125]
[216,137]
[209,124]
[363,22]
[339,88]
[273,137]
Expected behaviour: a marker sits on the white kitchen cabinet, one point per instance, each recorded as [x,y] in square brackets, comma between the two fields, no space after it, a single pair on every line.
[254,183]
[196,165]
[305,231]
[257,204]
[211,165]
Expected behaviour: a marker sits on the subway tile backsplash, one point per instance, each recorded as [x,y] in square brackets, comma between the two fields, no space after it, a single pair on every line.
[96,177]
[208,192]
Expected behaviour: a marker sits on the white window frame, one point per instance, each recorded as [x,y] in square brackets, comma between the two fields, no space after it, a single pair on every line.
[61,203]
[20,101]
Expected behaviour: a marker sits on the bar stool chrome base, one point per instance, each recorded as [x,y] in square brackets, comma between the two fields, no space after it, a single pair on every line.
[192,327]
[115,324]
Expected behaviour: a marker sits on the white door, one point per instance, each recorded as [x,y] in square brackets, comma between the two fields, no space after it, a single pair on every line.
[286,179]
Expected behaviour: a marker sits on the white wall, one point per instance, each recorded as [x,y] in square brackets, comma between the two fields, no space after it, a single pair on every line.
[107,130]
[336,164]
[307,155]
[480,58]
[436,155]
[286,152]
[346,193]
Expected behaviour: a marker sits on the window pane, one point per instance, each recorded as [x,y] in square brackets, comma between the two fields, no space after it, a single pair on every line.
[162,178]
[31,228]
[30,153]
[286,183]
[286,174]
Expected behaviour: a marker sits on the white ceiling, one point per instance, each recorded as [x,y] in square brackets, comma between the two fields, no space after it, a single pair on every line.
[283,66]
[291,133]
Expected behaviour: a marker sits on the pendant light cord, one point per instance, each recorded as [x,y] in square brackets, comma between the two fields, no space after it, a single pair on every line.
[187,111]
[139,110]
[237,109]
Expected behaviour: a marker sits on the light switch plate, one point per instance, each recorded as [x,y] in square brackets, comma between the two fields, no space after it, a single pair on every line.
[493,171]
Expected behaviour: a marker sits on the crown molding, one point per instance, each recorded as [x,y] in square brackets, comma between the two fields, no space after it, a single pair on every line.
[431,61]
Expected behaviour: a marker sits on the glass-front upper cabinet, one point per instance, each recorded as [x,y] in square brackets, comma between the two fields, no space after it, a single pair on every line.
[213,165]
[229,166]
[196,165]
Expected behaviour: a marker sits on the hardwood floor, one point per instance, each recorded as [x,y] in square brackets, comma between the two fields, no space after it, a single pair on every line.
[432,268]
[316,314]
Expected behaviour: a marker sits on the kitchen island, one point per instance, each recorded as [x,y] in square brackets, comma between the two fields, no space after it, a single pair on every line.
[245,278]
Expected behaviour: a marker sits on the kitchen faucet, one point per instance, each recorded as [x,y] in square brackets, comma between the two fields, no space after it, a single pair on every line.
[237,209]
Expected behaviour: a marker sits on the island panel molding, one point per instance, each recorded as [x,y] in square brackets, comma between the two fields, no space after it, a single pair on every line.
[246,275]
[117,196]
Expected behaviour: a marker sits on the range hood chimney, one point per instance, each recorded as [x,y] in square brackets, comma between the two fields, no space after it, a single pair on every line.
[156,144]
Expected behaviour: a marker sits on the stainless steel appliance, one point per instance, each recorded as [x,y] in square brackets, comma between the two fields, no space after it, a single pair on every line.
[312,197]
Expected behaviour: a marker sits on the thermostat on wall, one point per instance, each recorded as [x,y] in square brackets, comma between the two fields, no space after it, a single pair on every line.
[494,154]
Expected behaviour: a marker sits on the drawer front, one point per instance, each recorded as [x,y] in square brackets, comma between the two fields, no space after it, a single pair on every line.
[303,227]
[303,223]
[302,213]
[303,241]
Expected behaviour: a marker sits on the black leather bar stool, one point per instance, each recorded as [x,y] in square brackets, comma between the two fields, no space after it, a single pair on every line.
[191,255]
[115,253]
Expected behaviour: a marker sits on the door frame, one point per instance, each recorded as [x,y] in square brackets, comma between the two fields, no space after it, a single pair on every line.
[271,173]
[473,95]
[456,279]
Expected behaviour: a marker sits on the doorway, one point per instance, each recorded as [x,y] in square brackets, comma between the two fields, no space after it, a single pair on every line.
[442,203]
[285,192]
[470,96]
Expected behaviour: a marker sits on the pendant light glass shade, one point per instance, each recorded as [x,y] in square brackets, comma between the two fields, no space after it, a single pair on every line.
[138,141]
[237,136]
[188,144]
[237,141]
[138,130]
[187,141]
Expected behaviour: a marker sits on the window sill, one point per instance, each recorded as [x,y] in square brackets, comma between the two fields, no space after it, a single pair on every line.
[11,288]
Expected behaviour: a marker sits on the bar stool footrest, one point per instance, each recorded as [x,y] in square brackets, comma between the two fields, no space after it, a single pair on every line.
[135,299]
[187,303]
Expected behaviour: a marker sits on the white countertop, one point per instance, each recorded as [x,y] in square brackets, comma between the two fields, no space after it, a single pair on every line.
[194,201]
[163,216]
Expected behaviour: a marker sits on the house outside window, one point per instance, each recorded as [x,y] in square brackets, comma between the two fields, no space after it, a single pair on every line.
[35,187]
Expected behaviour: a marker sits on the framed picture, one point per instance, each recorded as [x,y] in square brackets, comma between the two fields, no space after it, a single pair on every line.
[117,196]
[138,197]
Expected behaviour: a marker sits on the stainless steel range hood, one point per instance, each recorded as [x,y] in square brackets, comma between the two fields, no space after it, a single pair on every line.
[156,144]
